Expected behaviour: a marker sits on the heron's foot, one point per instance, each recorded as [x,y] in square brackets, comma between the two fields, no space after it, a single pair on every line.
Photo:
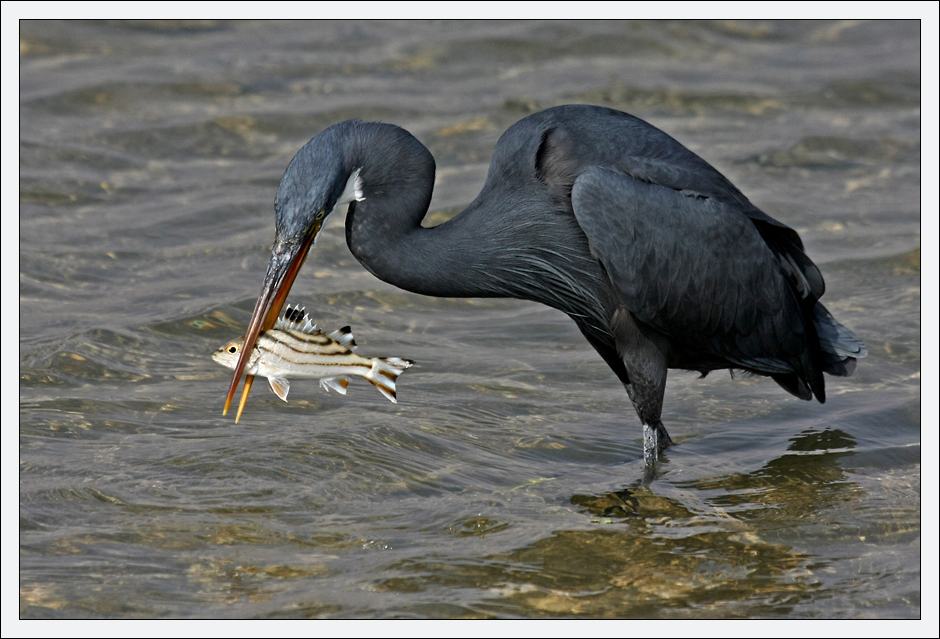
[655,439]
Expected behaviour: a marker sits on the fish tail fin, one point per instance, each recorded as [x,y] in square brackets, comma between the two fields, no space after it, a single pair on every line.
[385,370]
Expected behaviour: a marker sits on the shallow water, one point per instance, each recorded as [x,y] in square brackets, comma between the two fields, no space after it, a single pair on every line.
[507,482]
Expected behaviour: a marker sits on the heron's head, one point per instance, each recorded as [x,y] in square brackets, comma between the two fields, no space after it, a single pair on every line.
[318,182]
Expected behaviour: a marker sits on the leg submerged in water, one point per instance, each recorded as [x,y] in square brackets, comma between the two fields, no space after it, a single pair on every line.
[655,439]
[655,436]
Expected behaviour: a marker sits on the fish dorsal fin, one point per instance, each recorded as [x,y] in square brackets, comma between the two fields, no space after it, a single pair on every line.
[279,386]
[345,337]
[295,319]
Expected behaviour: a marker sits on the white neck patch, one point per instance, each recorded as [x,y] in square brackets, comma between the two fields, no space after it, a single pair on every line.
[352,192]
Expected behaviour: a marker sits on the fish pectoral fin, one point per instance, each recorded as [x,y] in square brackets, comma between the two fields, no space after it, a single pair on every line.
[279,386]
[338,384]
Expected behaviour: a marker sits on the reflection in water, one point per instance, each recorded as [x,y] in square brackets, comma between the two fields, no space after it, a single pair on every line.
[791,486]
[662,556]
[656,563]
[789,479]
[825,440]
[646,576]
[620,503]
[657,560]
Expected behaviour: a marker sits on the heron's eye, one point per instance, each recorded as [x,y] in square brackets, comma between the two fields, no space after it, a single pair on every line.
[232,348]
[321,214]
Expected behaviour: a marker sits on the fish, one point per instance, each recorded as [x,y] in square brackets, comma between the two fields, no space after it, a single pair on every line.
[296,349]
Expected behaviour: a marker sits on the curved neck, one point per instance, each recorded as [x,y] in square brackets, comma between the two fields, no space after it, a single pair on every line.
[384,232]
[509,242]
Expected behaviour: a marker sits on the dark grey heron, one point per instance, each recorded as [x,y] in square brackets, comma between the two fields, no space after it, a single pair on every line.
[659,260]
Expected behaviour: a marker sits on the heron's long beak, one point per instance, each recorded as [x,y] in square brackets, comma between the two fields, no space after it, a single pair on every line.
[286,260]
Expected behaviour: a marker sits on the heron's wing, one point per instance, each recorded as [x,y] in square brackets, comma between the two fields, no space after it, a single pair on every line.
[701,180]
[650,156]
[694,268]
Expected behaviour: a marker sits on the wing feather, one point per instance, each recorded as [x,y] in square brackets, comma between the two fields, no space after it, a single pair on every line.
[695,268]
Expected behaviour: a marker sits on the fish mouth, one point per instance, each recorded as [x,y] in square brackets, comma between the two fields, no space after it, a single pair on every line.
[286,260]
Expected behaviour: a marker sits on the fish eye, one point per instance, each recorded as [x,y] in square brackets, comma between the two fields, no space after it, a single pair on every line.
[232,348]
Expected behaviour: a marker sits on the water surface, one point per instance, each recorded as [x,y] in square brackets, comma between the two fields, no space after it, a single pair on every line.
[507,482]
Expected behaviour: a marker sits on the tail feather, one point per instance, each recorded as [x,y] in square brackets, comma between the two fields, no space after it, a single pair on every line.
[840,347]
[385,372]
[792,383]
[838,350]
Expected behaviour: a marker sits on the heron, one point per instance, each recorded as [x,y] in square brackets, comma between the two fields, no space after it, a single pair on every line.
[659,260]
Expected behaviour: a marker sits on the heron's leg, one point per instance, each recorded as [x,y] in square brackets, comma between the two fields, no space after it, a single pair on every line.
[655,439]
[645,362]
[655,436]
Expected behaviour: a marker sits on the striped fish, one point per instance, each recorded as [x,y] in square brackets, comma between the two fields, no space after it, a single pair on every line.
[296,349]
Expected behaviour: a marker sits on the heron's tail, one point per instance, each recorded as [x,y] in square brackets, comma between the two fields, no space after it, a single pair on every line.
[839,347]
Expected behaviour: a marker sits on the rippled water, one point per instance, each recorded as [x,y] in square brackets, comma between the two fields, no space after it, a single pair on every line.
[508,480]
